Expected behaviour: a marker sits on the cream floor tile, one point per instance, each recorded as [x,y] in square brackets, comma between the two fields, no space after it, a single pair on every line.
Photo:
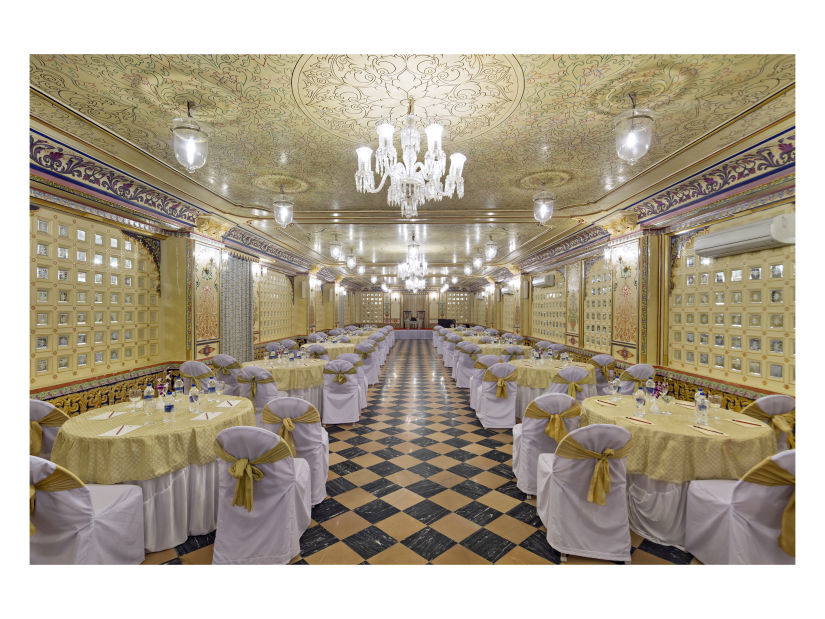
[345,525]
[404,478]
[511,529]
[459,555]
[402,498]
[336,554]
[400,525]
[499,501]
[354,498]
[162,556]
[367,460]
[455,527]
[359,478]
[397,554]
[201,556]
[522,556]
[640,557]
[449,499]
[446,479]
[491,480]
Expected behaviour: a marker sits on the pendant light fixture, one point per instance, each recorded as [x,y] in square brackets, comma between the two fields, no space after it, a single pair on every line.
[634,132]
[490,249]
[468,269]
[351,260]
[282,209]
[478,260]
[191,144]
[543,204]
[335,249]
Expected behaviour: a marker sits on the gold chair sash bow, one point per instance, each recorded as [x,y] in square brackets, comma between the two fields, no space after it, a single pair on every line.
[288,424]
[339,374]
[317,354]
[625,375]
[600,481]
[224,369]
[769,473]
[555,428]
[501,388]
[605,369]
[574,386]
[55,417]
[59,479]
[255,381]
[247,473]
[783,422]
[195,379]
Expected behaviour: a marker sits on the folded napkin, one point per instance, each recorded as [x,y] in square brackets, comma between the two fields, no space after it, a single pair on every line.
[228,404]
[640,422]
[207,416]
[119,431]
[742,422]
[708,431]
[109,415]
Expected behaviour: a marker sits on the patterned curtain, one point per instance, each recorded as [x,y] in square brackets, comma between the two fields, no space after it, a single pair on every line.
[236,309]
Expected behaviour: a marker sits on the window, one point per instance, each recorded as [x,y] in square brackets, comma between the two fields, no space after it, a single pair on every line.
[777,346]
[719,278]
[62,274]
[775,371]
[63,319]
[127,280]
[81,276]
[704,260]
[755,368]
[81,339]
[690,280]
[62,341]
[777,270]
[736,364]
[755,320]
[62,296]
[113,262]
[81,318]
[81,360]
[127,263]
[42,365]
[42,296]
[705,278]
[755,344]
[98,259]
[777,321]
[127,245]
[42,226]
[99,278]
[99,337]
[99,357]
[776,296]
[736,342]
[42,319]
[42,342]
[736,275]
[113,280]
[689,261]
[756,273]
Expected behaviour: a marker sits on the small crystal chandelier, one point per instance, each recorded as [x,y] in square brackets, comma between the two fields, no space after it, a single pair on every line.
[361,269]
[490,249]
[373,279]
[412,183]
[468,269]
[415,266]
[282,209]
[478,260]
[335,249]
[543,203]
[350,260]
[190,142]
[634,131]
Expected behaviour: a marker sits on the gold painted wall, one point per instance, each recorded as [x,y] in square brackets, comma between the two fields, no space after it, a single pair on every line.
[508,312]
[300,313]
[207,305]
[372,307]
[549,308]
[95,305]
[598,294]
[457,306]
[733,318]
[625,262]
[348,300]
[273,299]
[573,310]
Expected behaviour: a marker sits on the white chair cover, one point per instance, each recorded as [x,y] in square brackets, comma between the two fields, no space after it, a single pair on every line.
[557,348]
[657,509]
[475,378]
[264,392]
[344,338]
[486,339]
[317,337]
[602,386]
[380,347]
[311,442]
[491,331]
[230,379]
[464,365]
[289,344]
[541,344]
[530,440]
[195,368]
[436,330]
[341,401]
[457,354]
[574,525]
[777,405]
[336,331]
[517,338]
[273,347]
[37,410]
[738,522]
[270,533]
[93,524]
[640,370]
[449,349]
[355,359]
[367,347]
[573,373]
[513,352]
[494,412]
[317,351]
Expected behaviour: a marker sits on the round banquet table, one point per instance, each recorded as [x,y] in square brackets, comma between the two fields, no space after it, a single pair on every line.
[333,350]
[498,349]
[534,378]
[301,378]
[668,452]
[170,456]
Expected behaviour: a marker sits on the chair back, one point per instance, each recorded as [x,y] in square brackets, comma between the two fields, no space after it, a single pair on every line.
[226,369]
[558,348]
[517,338]
[501,371]
[491,331]
[640,373]
[45,420]
[334,370]
[191,370]
[539,431]
[580,377]
[604,364]
[779,412]
[485,339]
[273,347]
[541,345]
[306,436]
[336,331]
[344,338]
[317,351]
[489,360]
[316,337]
[512,352]
[258,385]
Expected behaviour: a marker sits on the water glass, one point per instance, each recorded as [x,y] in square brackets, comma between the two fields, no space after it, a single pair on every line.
[135,396]
[715,403]
[615,386]
[220,387]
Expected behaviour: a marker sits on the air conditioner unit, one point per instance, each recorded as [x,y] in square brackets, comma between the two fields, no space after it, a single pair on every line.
[754,236]
[544,281]
[507,290]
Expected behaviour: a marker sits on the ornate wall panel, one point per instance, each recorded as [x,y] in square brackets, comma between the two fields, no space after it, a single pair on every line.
[274,300]
[733,318]
[573,317]
[598,310]
[372,307]
[458,306]
[236,308]
[548,308]
[95,299]
[626,293]
[207,299]
[508,312]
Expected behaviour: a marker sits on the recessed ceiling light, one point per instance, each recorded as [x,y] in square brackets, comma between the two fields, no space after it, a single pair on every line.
[335,214]
[489,213]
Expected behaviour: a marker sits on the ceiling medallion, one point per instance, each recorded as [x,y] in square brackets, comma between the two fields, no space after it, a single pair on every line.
[545,178]
[349,94]
[273,182]
[412,183]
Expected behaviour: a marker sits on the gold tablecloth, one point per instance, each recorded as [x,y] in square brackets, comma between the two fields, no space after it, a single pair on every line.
[149,451]
[670,450]
[333,350]
[539,374]
[498,349]
[297,374]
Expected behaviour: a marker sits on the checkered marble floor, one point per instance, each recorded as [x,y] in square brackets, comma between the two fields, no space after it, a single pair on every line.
[418,481]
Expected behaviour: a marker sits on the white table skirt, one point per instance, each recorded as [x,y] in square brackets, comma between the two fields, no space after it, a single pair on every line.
[525,395]
[656,509]
[313,395]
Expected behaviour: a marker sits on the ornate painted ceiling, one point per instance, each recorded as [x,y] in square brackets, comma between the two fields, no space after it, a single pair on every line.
[296,120]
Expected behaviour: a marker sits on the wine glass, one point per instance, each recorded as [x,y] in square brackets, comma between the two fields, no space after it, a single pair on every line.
[715,403]
[616,386]
[220,387]
[663,395]
[134,396]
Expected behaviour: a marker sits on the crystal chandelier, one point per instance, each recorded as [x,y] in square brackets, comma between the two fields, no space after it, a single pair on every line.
[282,209]
[190,142]
[490,249]
[543,203]
[412,183]
[468,269]
[335,249]
[634,131]
[350,260]
[415,284]
[478,261]
[415,266]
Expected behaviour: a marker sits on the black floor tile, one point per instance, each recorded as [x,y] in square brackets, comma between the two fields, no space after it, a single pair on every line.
[537,544]
[326,509]
[388,453]
[478,512]
[376,511]
[429,543]
[526,513]
[510,489]
[384,468]
[426,488]
[423,441]
[460,455]
[465,470]
[471,489]
[668,553]
[498,456]
[381,487]
[369,542]
[339,485]
[424,454]
[345,468]
[426,511]
[389,441]
[194,542]
[315,539]
[425,469]
[352,452]
[487,544]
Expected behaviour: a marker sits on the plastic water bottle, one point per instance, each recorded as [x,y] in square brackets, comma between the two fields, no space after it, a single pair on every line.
[271,354]
[696,397]
[178,388]
[210,384]
[194,396]
[640,402]
[148,395]
[702,410]
[650,387]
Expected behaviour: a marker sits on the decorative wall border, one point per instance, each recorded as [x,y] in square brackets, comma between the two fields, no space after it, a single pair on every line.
[190,285]
[51,157]
[556,253]
[250,241]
